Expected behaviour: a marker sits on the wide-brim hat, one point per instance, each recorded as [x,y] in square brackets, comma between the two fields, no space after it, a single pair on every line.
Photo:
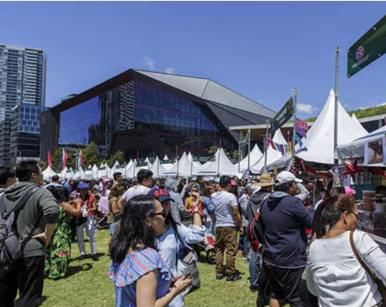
[265,181]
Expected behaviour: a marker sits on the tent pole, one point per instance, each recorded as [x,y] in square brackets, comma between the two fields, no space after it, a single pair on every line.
[241,139]
[249,149]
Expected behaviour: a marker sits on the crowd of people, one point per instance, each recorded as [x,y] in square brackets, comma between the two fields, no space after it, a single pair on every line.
[308,254]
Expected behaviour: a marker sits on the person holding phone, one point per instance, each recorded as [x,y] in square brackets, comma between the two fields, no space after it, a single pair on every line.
[140,275]
[175,237]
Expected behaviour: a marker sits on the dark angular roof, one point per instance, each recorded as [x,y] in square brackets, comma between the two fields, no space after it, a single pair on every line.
[209,90]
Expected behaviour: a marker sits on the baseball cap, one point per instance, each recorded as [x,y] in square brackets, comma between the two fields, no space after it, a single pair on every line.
[160,194]
[286,176]
[83,185]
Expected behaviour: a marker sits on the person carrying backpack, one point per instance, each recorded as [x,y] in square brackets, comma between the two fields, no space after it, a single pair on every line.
[34,225]
[265,189]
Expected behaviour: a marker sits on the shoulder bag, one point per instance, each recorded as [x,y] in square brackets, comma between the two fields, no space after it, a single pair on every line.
[381,286]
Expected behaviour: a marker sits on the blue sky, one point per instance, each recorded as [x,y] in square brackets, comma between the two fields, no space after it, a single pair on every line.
[259,49]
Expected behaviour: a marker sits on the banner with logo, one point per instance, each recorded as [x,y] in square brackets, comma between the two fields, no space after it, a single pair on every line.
[367,49]
[282,116]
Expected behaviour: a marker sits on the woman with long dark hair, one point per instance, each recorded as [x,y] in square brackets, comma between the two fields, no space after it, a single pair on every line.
[173,240]
[140,276]
[334,273]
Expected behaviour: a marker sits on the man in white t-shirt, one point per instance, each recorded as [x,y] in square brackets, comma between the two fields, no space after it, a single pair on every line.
[145,180]
[228,221]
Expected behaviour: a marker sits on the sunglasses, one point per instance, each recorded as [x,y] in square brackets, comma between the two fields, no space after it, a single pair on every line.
[162,213]
[356,215]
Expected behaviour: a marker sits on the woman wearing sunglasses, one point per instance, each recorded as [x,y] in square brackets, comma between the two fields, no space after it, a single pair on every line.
[141,278]
[334,273]
[173,241]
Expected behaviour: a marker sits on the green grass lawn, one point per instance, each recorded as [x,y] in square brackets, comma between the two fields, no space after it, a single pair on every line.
[89,286]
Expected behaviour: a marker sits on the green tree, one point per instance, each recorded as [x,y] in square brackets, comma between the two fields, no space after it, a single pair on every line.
[43,164]
[235,154]
[118,156]
[91,154]
[105,161]
[71,160]
[57,160]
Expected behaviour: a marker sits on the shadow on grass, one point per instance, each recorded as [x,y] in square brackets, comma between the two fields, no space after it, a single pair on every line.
[72,270]
[88,256]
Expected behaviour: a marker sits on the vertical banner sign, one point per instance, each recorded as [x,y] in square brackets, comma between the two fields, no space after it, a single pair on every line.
[368,48]
[283,115]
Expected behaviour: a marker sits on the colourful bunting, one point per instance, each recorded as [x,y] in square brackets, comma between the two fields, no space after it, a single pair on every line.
[298,140]
[300,131]
[302,124]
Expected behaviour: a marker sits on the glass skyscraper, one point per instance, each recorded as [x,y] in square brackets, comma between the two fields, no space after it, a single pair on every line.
[22,80]
[151,113]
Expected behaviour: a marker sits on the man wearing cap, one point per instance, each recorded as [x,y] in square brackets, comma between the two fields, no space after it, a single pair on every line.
[284,220]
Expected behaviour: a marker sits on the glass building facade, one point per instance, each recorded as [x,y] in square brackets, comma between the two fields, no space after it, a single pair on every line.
[138,106]
[25,131]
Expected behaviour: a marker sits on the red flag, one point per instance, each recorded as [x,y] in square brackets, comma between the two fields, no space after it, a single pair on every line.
[272,144]
[177,152]
[49,159]
[220,145]
[137,155]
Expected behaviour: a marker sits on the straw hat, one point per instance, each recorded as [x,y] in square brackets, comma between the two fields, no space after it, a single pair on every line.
[265,180]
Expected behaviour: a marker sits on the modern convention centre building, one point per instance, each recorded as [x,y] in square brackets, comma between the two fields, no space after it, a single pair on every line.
[150,113]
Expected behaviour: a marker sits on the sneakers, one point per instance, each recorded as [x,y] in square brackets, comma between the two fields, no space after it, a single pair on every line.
[234,277]
[220,276]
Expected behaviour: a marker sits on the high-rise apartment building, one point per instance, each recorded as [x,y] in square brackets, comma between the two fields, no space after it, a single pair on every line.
[22,81]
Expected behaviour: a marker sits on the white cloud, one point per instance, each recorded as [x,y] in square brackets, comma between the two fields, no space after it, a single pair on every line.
[148,62]
[170,70]
[306,108]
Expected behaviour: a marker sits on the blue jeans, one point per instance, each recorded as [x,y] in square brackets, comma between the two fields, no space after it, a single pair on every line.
[112,228]
[254,268]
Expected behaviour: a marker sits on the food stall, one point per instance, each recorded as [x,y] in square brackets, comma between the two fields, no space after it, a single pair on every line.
[367,165]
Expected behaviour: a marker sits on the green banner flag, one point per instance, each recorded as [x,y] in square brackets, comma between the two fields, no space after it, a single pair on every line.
[368,48]
[283,115]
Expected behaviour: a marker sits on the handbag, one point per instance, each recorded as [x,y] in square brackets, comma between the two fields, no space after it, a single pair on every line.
[187,264]
[379,283]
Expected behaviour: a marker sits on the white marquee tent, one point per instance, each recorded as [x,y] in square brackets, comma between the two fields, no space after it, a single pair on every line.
[48,173]
[320,137]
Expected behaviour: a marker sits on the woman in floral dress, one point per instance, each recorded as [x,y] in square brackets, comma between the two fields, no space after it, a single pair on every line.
[58,252]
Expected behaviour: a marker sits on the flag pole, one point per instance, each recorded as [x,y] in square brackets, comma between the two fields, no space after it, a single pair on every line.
[336,104]
[266,144]
[295,93]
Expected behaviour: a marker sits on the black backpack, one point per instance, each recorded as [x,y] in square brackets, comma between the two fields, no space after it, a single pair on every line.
[11,248]
[256,229]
